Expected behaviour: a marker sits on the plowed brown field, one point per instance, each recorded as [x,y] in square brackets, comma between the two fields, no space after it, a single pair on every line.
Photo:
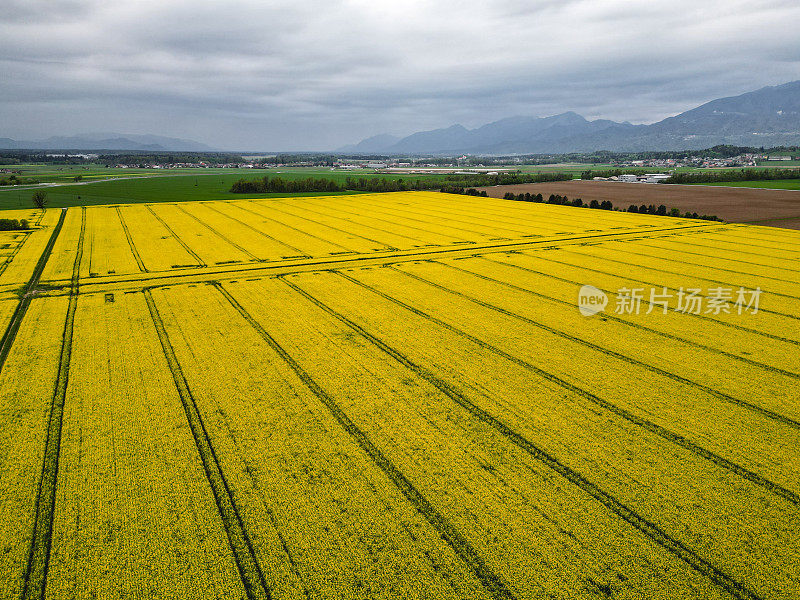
[774,208]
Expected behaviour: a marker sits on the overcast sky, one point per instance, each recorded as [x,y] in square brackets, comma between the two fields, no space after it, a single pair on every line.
[270,75]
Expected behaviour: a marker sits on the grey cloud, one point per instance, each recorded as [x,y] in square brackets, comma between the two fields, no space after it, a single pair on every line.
[251,74]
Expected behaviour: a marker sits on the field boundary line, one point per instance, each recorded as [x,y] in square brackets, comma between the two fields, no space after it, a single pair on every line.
[460,545]
[132,245]
[42,536]
[714,392]
[218,234]
[239,541]
[326,263]
[18,247]
[201,262]
[10,334]
[209,206]
[646,527]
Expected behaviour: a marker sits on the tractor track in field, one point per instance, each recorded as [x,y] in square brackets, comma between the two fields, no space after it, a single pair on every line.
[38,561]
[683,262]
[460,545]
[185,246]
[318,212]
[653,428]
[386,247]
[18,247]
[327,262]
[651,530]
[10,334]
[448,216]
[715,257]
[372,216]
[702,316]
[282,224]
[241,546]
[744,359]
[254,229]
[675,377]
[132,245]
[225,238]
[404,213]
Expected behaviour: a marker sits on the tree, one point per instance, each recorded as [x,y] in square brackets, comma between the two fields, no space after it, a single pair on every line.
[661,210]
[39,199]
[633,208]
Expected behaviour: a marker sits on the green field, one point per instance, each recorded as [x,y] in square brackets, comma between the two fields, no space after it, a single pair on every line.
[775,184]
[166,188]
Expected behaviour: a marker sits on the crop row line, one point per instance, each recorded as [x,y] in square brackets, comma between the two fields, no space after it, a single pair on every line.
[646,527]
[328,263]
[348,220]
[293,228]
[691,314]
[10,334]
[246,561]
[403,214]
[716,257]
[654,428]
[671,336]
[344,231]
[443,527]
[219,235]
[177,237]
[210,206]
[652,368]
[41,538]
[789,296]
[128,236]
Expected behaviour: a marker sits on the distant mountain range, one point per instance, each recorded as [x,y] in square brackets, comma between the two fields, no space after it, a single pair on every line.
[107,141]
[767,117]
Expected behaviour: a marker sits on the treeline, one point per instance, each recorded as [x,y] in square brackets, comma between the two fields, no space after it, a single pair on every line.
[579,203]
[559,200]
[734,175]
[590,174]
[14,180]
[13,224]
[281,185]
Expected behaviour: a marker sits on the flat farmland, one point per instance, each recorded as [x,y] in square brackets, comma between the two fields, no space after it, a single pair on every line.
[767,207]
[397,396]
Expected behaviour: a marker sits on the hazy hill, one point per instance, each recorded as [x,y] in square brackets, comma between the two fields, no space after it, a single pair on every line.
[107,141]
[767,117]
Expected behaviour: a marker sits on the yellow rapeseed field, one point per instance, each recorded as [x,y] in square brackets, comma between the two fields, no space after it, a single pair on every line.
[402,395]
